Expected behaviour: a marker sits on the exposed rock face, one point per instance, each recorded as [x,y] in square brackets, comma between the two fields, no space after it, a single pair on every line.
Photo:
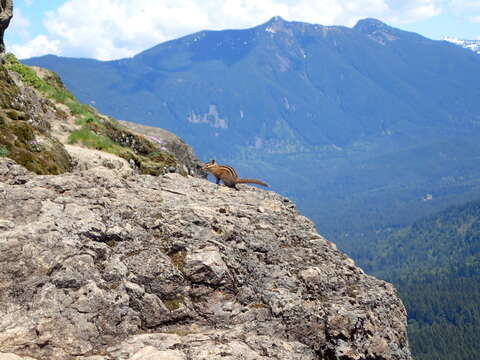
[6,13]
[96,266]
[182,151]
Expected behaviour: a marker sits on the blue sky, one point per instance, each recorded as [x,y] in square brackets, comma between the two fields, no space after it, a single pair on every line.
[111,29]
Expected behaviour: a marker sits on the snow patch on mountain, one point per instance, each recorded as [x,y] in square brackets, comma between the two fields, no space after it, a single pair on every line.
[473,45]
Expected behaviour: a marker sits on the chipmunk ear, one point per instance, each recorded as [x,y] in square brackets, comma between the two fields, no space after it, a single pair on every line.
[213,162]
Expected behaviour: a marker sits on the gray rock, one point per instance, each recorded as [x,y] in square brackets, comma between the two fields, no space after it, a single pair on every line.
[6,13]
[4,356]
[97,266]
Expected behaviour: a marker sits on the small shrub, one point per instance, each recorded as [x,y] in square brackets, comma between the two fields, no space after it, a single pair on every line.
[4,152]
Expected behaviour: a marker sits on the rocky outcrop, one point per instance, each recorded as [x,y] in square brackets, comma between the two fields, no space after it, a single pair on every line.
[98,266]
[25,127]
[6,13]
[171,142]
[38,117]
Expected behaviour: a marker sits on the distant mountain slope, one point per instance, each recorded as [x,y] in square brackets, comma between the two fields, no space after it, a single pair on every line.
[435,264]
[358,125]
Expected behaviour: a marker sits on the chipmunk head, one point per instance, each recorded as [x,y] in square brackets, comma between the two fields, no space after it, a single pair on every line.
[209,164]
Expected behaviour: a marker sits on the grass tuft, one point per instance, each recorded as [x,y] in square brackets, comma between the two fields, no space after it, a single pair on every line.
[88,138]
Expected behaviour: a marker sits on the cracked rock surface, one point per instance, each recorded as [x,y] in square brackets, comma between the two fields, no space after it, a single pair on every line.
[97,266]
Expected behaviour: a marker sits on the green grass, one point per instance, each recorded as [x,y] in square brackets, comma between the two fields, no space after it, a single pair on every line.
[79,109]
[29,76]
[88,138]
[52,89]
[60,95]
[85,115]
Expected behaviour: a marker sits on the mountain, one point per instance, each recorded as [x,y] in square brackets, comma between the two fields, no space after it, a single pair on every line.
[435,265]
[367,128]
[473,45]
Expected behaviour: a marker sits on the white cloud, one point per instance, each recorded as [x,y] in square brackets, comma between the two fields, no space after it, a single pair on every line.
[467,8]
[408,11]
[111,29]
[40,45]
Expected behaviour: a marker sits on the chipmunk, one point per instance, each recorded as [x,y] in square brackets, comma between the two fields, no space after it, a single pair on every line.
[228,175]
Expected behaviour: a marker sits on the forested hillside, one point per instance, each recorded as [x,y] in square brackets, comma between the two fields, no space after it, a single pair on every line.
[435,265]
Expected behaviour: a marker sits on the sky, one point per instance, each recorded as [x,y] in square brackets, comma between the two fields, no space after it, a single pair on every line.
[114,29]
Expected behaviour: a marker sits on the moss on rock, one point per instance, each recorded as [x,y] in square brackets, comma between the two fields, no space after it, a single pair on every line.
[37,152]
[8,91]
[28,145]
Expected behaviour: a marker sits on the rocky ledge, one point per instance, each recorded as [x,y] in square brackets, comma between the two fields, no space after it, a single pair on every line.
[97,266]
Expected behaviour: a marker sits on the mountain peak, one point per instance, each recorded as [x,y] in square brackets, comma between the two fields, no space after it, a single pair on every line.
[276,19]
[377,30]
[276,22]
[370,25]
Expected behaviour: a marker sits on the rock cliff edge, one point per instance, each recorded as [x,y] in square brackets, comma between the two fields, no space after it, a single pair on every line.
[97,266]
